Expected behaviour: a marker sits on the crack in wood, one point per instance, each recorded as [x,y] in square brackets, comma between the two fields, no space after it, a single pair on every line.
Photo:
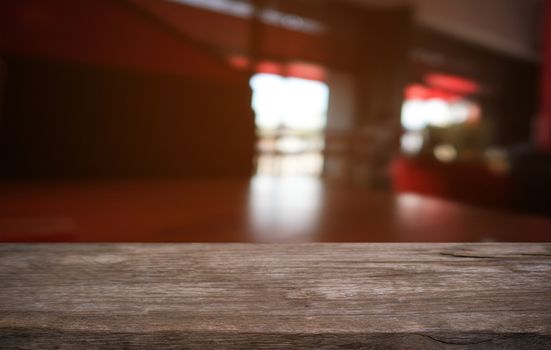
[452,342]
[456,255]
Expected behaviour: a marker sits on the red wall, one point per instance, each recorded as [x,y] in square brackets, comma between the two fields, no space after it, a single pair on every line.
[105,32]
[544,126]
[100,89]
[233,34]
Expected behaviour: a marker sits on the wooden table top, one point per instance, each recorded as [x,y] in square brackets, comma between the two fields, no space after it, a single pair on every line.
[259,210]
[259,296]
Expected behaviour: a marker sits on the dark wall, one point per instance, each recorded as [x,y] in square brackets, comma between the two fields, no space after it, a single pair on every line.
[509,84]
[69,120]
[543,137]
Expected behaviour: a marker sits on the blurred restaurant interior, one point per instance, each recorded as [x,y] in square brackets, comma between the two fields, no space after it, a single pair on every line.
[275,120]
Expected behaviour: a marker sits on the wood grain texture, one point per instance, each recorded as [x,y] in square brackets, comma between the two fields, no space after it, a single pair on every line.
[254,296]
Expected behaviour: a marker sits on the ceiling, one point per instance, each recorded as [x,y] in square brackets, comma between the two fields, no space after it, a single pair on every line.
[509,26]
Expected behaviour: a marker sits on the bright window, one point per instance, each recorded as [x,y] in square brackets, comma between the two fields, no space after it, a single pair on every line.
[291,115]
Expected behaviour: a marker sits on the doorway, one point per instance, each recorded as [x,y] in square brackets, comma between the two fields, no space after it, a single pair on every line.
[291,115]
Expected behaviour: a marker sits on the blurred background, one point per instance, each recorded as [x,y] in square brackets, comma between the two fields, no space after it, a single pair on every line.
[275,120]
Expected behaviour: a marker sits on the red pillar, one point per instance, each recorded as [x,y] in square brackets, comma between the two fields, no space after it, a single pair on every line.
[543,127]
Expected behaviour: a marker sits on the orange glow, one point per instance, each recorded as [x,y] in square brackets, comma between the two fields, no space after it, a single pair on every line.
[297,69]
[239,62]
[421,92]
[307,71]
[269,67]
[452,83]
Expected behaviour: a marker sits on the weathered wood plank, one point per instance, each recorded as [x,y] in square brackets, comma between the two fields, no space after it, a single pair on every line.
[372,296]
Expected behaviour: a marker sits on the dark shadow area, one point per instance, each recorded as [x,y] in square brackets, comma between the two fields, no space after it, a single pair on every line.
[76,121]
[22,338]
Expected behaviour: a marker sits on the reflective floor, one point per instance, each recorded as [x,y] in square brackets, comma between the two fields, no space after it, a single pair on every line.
[264,209]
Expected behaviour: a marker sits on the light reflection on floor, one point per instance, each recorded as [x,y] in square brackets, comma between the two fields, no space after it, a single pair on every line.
[303,164]
[284,208]
[264,209]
